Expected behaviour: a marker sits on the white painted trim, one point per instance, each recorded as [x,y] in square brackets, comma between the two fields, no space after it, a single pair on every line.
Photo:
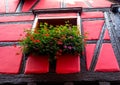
[35,23]
[79,23]
[65,17]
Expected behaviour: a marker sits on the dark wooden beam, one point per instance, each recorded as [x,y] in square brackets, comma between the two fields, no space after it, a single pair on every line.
[8,43]
[109,19]
[16,14]
[31,84]
[96,9]
[58,10]
[68,83]
[18,22]
[91,19]
[34,5]
[53,77]
[88,3]
[97,49]
[62,4]
[20,5]
[104,83]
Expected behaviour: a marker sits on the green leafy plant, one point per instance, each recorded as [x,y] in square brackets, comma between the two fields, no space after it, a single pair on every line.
[53,40]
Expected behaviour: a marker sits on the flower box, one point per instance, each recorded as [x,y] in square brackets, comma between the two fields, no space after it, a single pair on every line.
[68,63]
[54,37]
[37,64]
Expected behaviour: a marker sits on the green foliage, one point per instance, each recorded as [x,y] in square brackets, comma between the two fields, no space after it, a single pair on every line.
[53,40]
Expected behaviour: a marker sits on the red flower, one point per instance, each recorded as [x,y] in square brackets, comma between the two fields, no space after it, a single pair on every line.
[37,41]
[46,35]
[59,42]
[28,34]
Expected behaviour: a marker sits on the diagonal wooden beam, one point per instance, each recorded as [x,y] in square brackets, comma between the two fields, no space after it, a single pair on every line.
[34,4]
[88,3]
[62,4]
[7,6]
[113,35]
[19,8]
[97,49]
